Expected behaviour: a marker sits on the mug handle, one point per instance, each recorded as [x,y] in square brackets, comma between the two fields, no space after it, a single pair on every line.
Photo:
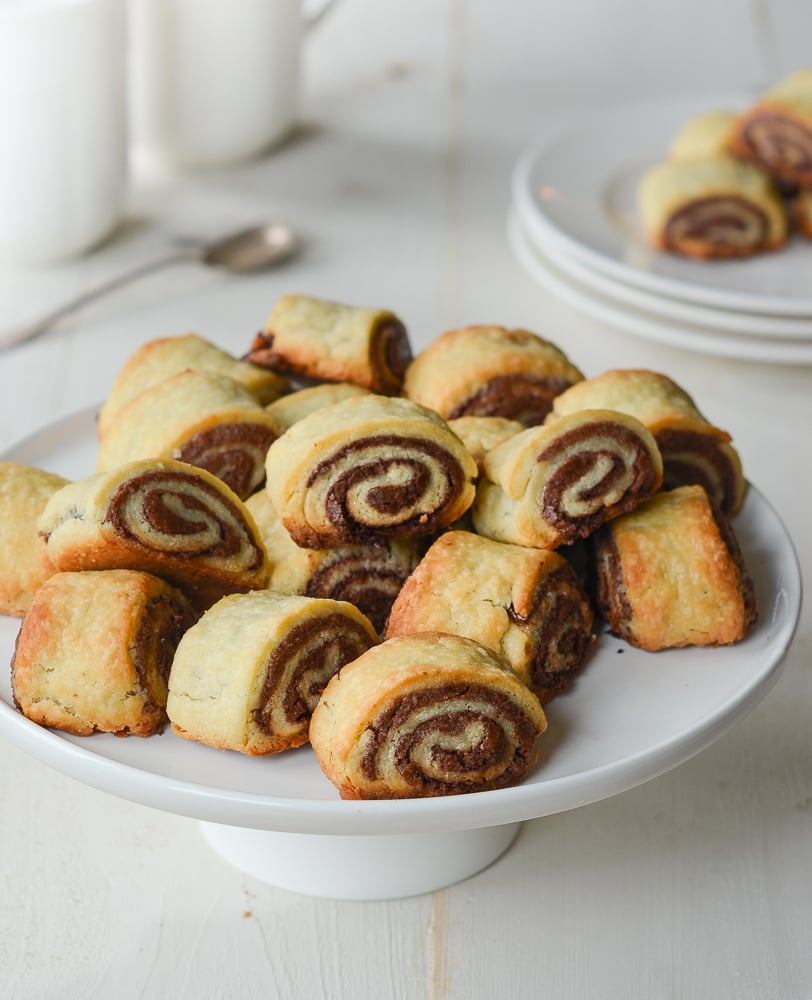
[313,12]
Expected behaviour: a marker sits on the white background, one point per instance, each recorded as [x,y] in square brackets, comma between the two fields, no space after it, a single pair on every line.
[693,885]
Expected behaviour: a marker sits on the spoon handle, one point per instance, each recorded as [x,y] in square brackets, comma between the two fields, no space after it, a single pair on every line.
[28,331]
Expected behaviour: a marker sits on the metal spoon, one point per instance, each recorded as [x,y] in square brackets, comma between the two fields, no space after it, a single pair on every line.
[249,250]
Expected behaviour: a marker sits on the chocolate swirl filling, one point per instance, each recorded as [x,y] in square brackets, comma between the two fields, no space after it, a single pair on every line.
[595,467]
[610,585]
[389,355]
[691,457]
[234,452]
[610,595]
[370,577]
[164,512]
[782,145]
[386,484]
[559,622]
[300,667]
[724,226]
[449,739]
[160,628]
[525,398]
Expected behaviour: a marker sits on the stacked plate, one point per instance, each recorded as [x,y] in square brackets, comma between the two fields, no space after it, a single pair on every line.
[575,228]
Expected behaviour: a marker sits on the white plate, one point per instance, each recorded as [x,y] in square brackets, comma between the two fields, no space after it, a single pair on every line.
[580,188]
[546,273]
[724,321]
[631,716]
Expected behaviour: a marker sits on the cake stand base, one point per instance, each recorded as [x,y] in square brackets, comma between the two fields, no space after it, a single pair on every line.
[391,866]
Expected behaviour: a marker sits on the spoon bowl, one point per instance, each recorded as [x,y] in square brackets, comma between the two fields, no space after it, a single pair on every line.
[252,249]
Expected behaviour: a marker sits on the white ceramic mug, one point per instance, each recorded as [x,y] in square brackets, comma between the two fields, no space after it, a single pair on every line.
[212,82]
[63,133]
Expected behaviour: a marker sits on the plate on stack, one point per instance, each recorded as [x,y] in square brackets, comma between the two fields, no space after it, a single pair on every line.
[575,228]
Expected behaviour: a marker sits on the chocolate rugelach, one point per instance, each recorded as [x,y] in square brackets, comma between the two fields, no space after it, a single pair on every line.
[248,675]
[328,341]
[693,449]
[490,371]
[368,468]
[94,651]
[552,485]
[425,715]
[671,573]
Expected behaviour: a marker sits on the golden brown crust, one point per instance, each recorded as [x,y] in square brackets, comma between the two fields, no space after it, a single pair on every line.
[162,517]
[94,651]
[670,573]
[425,715]
[489,371]
[24,564]
[693,449]
[524,604]
[333,342]
[164,357]
[554,484]
[248,675]
[208,420]
[365,469]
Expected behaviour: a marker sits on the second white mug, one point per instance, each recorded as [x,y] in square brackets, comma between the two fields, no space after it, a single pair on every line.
[211,82]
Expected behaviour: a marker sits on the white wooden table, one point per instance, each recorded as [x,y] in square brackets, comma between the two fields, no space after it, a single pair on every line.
[695,884]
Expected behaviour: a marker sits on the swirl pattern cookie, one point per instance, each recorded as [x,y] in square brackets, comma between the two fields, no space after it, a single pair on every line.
[693,450]
[94,652]
[551,485]
[248,675]
[163,517]
[366,469]
[425,715]
[489,371]
[716,207]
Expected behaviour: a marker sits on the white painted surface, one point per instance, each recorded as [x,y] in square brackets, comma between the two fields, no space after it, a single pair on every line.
[693,885]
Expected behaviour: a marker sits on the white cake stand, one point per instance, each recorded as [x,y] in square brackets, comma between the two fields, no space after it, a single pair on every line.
[631,716]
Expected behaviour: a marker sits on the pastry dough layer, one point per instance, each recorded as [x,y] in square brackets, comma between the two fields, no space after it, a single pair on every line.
[368,576]
[296,405]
